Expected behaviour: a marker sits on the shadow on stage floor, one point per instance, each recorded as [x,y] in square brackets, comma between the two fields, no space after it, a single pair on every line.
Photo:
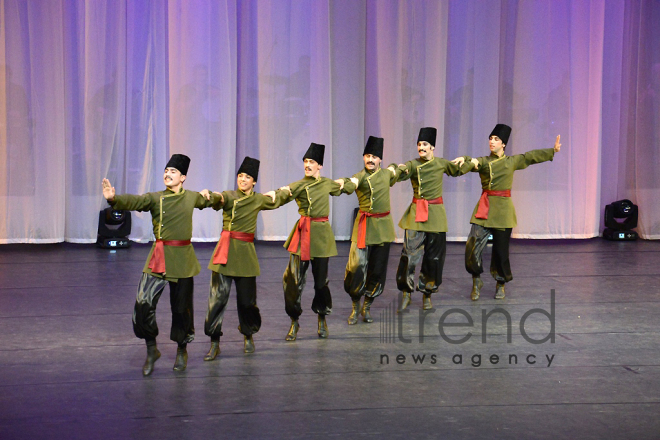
[71,366]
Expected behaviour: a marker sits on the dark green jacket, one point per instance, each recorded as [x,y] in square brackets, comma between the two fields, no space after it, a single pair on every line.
[312,197]
[496,173]
[239,213]
[373,192]
[171,216]
[426,179]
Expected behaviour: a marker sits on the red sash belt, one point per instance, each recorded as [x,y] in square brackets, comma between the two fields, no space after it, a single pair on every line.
[422,211]
[303,231]
[484,204]
[362,226]
[157,262]
[221,254]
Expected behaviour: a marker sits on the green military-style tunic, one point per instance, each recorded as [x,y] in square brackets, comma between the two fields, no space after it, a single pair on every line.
[496,174]
[240,213]
[426,179]
[311,195]
[373,192]
[171,216]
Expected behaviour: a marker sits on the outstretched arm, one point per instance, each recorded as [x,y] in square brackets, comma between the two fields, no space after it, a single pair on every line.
[532,157]
[459,166]
[276,198]
[126,202]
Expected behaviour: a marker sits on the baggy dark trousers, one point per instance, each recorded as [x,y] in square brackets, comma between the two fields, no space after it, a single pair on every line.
[433,246]
[366,271]
[294,279]
[181,303]
[249,317]
[500,267]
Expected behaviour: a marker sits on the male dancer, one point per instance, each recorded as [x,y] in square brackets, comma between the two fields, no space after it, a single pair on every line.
[312,240]
[171,260]
[494,213]
[425,220]
[373,231]
[235,258]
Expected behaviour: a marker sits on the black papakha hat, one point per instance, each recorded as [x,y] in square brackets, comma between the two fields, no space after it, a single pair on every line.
[179,161]
[374,147]
[250,167]
[315,152]
[427,134]
[501,131]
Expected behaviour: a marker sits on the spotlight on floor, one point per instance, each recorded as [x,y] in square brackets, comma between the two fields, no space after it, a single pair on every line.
[114,229]
[620,220]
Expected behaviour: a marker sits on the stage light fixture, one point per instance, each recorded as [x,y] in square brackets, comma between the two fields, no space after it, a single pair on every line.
[620,220]
[114,229]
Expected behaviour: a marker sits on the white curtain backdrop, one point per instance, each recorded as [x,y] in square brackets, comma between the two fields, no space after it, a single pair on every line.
[93,89]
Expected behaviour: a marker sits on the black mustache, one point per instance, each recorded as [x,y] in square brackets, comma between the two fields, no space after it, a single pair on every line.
[370,163]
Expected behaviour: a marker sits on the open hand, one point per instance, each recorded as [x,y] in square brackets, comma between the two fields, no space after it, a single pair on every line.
[205,193]
[340,182]
[475,162]
[108,190]
[557,144]
[286,188]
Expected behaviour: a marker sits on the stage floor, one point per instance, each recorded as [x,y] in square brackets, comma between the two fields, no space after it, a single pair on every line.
[71,366]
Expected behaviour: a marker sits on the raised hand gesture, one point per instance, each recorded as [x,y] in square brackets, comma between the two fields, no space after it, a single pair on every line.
[557,144]
[108,190]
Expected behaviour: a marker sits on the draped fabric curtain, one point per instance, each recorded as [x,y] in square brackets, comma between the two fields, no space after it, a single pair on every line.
[94,89]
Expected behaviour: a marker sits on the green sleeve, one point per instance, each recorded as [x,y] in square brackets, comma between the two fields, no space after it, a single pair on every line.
[394,177]
[532,157]
[405,171]
[281,198]
[483,160]
[296,188]
[454,170]
[348,189]
[201,202]
[130,202]
[218,201]
[337,190]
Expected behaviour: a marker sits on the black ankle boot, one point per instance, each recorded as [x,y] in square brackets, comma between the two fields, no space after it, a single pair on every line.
[152,356]
[477,284]
[499,291]
[181,358]
[323,327]
[427,302]
[293,331]
[353,317]
[366,308]
[405,302]
[214,351]
[248,344]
